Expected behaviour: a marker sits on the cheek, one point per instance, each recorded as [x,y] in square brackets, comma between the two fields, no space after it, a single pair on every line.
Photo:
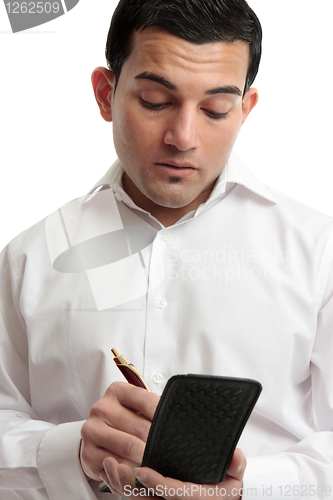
[126,124]
[222,140]
[126,134]
[137,131]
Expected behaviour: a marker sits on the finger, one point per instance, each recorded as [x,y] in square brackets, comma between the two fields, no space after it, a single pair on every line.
[99,437]
[126,420]
[120,444]
[109,475]
[237,465]
[121,478]
[126,478]
[134,398]
[163,486]
[92,461]
[104,478]
[128,486]
[109,410]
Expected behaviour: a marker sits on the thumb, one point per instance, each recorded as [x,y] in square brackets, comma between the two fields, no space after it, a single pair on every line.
[237,465]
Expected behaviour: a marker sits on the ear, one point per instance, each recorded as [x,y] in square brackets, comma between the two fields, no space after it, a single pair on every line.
[250,100]
[103,82]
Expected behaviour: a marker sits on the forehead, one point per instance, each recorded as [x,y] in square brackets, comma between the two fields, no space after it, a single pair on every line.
[155,49]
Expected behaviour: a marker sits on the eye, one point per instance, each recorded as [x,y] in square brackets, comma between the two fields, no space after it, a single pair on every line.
[216,116]
[155,106]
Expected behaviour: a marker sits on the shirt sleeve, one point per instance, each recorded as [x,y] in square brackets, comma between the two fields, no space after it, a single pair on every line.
[38,459]
[306,469]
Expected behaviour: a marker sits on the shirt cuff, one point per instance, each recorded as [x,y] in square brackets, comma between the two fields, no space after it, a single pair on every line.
[270,477]
[59,465]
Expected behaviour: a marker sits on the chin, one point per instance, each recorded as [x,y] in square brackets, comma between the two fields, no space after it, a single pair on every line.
[171,202]
[173,196]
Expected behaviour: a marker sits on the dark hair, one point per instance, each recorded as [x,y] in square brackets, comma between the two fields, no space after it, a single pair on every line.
[197,21]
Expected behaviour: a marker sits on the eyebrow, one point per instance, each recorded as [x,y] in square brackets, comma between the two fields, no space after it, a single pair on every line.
[227,89]
[158,79]
[154,77]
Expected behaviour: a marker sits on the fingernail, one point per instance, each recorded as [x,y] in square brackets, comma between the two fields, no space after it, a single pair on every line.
[142,478]
[120,474]
[241,468]
[107,466]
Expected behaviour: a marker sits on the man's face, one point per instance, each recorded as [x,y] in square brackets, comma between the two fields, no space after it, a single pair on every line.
[176,114]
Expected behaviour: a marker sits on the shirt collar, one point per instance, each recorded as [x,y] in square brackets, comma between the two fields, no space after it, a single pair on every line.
[235,172]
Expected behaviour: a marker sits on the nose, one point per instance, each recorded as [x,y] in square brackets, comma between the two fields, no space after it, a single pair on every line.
[182,131]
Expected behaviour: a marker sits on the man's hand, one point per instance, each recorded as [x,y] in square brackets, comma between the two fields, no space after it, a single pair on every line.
[121,480]
[117,427]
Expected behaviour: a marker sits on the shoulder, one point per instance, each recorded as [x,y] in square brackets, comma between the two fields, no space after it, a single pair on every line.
[299,216]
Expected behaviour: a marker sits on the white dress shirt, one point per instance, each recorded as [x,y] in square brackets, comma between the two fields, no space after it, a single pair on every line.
[240,287]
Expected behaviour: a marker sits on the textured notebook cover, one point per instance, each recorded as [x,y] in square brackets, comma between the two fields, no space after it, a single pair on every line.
[197,425]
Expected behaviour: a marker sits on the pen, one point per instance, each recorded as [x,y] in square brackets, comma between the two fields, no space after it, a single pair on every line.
[133,376]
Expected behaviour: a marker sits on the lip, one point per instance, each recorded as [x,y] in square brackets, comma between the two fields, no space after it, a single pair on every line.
[176,169]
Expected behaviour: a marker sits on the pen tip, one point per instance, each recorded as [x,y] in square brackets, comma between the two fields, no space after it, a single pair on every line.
[115,352]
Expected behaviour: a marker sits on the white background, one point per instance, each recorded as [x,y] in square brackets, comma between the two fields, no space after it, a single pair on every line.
[55,145]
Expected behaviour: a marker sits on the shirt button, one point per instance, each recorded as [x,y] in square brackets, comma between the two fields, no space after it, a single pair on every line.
[119,196]
[165,236]
[158,378]
[161,303]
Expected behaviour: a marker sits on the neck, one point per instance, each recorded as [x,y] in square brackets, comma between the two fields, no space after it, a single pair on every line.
[165,215]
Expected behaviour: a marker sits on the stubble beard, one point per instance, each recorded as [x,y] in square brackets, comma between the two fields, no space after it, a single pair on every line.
[174,179]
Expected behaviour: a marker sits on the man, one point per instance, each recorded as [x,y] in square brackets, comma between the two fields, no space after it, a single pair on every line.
[182,260]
